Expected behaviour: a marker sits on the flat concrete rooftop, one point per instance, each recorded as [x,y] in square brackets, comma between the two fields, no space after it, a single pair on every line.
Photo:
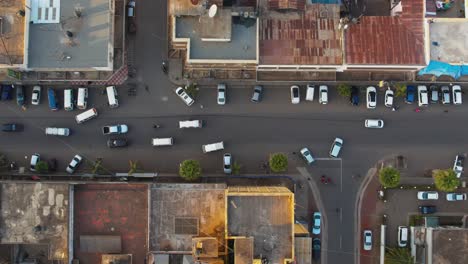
[450,246]
[451,41]
[90,46]
[12,32]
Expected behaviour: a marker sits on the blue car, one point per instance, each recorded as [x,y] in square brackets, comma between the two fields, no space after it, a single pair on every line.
[410,94]
[6,92]
[53,100]
[317,223]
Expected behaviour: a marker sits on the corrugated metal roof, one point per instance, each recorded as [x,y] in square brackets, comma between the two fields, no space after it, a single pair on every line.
[286,4]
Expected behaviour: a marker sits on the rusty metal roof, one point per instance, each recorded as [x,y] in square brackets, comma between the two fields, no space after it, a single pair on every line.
[287,4]
[396,40]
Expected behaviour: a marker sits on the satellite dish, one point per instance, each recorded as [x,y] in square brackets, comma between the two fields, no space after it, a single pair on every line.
[212,11]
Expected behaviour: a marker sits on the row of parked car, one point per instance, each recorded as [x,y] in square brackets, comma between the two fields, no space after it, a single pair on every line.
[334,151]
[74,163]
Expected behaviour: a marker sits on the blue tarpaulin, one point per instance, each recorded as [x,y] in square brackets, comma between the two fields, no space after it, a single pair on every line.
[438,68]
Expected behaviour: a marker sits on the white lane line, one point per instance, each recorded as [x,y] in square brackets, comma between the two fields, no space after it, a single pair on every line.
[341,175]
[341,244]
[341,215]
[332,159]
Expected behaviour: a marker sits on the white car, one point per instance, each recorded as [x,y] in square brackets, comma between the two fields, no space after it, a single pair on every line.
[371,97]
[36,95]
[35,158]
[307,155]
[431,195]
[295,95]
[445,90]
[374,123]
[317,222]
[74,164]
[221,94]
[323,94]
[423,96]
[336,148]
[389,98]
[451,197]
[367,239]
[227,162]
[458,165]
[457,95]
[184,96]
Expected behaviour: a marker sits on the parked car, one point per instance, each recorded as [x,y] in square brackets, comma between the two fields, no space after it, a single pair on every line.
[52,164]
[307,155]
[184,96]
[427,209]
[310,92]
[410,94]
[371,97]
[428,195]
[445,90]
[257,94]
[6,92]
[295,95]
[11,127]
[227,163]
[434,90]
[389,98]
[458,165]
[316,248]
[114,129]
[457,95]
[367,240]
[74,163]
[131,8]
[336,148]
[36,95]
[191,124]
[451,197]
[35,158]
[117,142]
[354,97]
[402,236]
[374,123]
[221,94]
[423,97]
[323,94]
[317,223]
[19,95]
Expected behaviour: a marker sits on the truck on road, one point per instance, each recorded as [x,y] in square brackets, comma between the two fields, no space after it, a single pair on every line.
[213,147]
[115,129]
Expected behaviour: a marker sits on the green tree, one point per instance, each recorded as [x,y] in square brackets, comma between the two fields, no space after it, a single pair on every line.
[400,90]
[445,180]
[398,256]
[42,167]
[389,177]
[133,167]
[236,167]
[278,162]
[344,89]
[190,170]
[96,167]
[192,90]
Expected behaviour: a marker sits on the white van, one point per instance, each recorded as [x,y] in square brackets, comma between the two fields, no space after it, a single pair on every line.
[323,94]
[57,131]
[310,92]
[68,99]
[82,101]
[158,142]
[402,236]
[86,115]
[336,148]
[112,96]
[191,124]
[213,147]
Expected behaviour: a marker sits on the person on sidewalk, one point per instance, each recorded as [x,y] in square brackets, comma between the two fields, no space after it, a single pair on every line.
[323,179]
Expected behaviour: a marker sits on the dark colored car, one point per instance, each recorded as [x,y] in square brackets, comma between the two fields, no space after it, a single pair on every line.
[6,92]
[12,128]
[19,95]
[410,94]
[354,98]
[117,142]
[52,164]
[427,209]
[316,248]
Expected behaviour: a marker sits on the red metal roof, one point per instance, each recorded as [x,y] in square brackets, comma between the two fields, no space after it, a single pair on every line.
[382,40]
[286,4]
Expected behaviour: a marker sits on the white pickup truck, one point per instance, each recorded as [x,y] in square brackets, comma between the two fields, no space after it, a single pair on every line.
[57,131]
[115,129]
[213,147]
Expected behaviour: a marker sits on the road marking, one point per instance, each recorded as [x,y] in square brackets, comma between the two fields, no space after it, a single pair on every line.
[328,159]
[341,215]
[341,238]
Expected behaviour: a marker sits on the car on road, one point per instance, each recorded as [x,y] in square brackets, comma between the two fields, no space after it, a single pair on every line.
[221,94]
[19,95]
[184,96]
[371,97]
[257,94]
[458,165]
[336,147]
[57,131]
[114,129]
[295,95]
[12,127]
[227,163]
[427,209]
[354,97]
[316,248]
[410,94]
[423,97]
[389,98]
[6,92]
[35,158]
[74,163]
[451,197]
[317,223]
[323,94]
[307,155]
[457,95]
[428,195]
[367,239]
[374,123]
[434,90]
[445,90]
[117,142]
[36,95]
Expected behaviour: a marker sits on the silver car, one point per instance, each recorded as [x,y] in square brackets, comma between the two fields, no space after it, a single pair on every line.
[221,94]
[184,96]
[227,162]
[307,155]
[74,163]
[36,95]
[367,240]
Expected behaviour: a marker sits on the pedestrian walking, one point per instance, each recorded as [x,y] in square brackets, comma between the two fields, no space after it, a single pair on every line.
[323,179]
